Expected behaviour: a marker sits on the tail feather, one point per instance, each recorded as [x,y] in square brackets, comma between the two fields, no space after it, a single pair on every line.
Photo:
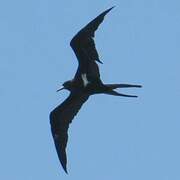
[112,92]
[114,86]
[111,88]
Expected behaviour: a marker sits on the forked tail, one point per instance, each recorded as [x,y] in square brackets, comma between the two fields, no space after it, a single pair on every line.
[111,88]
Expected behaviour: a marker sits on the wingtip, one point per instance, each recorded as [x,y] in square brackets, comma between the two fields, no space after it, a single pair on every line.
[65,169]
[109,9]
[112,7]
[64,165]
[61,152]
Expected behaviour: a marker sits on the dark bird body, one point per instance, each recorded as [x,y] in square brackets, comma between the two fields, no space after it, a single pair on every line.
[85,83]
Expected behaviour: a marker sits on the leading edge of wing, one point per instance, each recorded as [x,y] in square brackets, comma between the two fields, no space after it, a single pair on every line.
[60,118]
[83,44]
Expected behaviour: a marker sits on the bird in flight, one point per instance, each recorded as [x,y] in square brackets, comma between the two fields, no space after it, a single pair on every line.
[85,83]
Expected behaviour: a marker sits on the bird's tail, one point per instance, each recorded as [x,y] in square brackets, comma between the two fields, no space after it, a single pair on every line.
[111,88]
[114,86]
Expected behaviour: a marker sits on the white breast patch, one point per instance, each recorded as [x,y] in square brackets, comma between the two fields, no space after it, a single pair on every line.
[85,80]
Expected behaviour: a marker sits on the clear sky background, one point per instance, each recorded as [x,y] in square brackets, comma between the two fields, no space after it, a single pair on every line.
[111,137]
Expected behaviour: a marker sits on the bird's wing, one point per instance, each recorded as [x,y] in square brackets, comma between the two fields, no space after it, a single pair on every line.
[83,43]
[92,72]
[60,118]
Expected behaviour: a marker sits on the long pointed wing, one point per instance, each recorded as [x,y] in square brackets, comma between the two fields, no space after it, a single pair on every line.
[60,118]
[83,43]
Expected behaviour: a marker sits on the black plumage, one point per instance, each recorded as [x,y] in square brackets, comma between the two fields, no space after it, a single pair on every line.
[86,82]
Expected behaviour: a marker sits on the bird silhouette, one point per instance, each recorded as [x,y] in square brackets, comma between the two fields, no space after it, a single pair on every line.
[85,83]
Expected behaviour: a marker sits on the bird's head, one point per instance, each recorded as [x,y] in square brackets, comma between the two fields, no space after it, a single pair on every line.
[66,85]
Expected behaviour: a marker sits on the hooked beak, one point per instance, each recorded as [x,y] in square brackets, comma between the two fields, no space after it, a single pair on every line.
[60,89]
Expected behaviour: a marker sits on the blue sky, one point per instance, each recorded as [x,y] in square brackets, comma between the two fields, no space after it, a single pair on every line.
[111,137]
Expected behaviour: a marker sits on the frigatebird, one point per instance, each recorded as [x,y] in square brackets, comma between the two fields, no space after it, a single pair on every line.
[85,83]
